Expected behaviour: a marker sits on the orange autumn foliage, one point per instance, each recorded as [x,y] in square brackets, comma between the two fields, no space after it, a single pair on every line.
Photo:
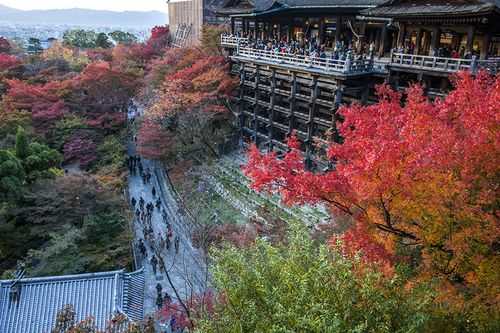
[424,174]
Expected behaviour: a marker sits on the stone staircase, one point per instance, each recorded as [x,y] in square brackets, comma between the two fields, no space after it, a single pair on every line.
[226,179]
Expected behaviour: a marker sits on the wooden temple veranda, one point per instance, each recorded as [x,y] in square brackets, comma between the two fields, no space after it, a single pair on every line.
[341,50]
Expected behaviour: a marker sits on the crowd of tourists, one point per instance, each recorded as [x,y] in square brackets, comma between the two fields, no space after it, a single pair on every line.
[153,247]
[341,50]
[144,212]
[443,51]
[307,47]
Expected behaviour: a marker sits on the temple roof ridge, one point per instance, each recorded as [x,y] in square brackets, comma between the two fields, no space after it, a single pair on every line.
[31,305]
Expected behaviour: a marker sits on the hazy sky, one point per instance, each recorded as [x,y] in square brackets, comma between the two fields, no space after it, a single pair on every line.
[118,5]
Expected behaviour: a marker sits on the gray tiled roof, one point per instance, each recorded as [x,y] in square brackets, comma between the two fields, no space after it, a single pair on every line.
[409,8]
[261,6]
[97,295]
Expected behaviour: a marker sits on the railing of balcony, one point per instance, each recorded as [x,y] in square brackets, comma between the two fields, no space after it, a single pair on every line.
[431,63]
[444,64]
[233,40]
[492,65]
[348,66]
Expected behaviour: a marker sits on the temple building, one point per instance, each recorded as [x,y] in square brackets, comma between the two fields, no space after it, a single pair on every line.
[457,29]
[186,18]
[325,21]
[31,305]
[299,60]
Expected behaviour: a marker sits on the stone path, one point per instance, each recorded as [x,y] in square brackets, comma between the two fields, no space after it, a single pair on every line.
[187,268]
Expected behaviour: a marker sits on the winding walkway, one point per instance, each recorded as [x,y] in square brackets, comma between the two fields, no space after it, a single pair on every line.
[187,268]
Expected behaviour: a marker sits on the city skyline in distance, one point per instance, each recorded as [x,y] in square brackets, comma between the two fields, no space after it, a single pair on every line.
[113,5]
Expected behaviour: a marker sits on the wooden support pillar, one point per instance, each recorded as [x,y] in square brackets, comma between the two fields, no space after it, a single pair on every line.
[418,42]
[362,36]
[242,80]
[364,94]
[375,39]
[445,83]
[322,31]
[248,29]
[338,95]
[383,41]
[485,46]
[338,32]
[310,120]
[293,96]
[435,38]
[241,96]
[271,115]
[337,102]
[470,39]
[401,35]
[256,105]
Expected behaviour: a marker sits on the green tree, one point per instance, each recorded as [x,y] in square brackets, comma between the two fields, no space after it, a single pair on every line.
[111,154]
[300,287]
[38,160]
[210,38]
[64,128]
[42,162]
[22,144]
[11,176]
[10,121]
[80,38]
[121,37]
[34,45]
[103,41]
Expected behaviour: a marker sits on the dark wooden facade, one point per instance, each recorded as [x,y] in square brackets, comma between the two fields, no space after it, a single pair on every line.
[278,96]
[459,28]
[326,21]
[274,101]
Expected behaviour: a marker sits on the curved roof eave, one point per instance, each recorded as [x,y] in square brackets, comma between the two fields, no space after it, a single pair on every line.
[285,9]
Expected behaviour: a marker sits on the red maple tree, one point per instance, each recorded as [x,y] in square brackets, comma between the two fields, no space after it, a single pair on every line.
[5,46]
[8,61]
[80,149]
[423,174]
[153,140]
[157,42]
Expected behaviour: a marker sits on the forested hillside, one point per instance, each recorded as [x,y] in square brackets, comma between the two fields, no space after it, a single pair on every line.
[63,134]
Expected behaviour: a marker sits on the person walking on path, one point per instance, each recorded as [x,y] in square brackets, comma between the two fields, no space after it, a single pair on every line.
[154,263]
[162,265]
[142,247]
[176,244]
[159,301]
[167,299]
[153,191]
[162,243]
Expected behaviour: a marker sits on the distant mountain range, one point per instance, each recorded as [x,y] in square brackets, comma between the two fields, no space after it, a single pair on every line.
[82,17]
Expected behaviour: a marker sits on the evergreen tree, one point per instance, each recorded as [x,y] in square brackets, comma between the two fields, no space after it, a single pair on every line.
[34,45]
[22,145]
[102,41]
[11,176]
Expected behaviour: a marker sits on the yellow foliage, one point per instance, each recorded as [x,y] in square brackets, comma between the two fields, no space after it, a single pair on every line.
[76,58]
